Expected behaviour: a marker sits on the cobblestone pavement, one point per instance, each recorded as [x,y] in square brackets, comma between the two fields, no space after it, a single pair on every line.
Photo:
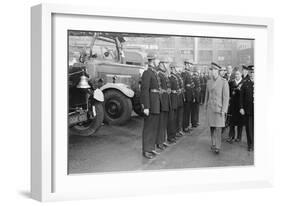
[118,148]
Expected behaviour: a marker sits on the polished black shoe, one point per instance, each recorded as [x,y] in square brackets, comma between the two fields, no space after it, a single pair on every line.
[190,129]
[148,155]
[178,134]
[172,141]
[213,147]
[230,140]
[181,133]
[166,144]
[237,140]
[155,152]
[250,149]
[161,146]
[217,151]
[186,129]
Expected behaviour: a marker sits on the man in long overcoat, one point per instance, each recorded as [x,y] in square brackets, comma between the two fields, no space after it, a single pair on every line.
[216,104]
[150,100]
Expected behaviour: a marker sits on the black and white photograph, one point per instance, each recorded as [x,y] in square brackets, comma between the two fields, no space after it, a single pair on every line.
[141,103]
[152,102]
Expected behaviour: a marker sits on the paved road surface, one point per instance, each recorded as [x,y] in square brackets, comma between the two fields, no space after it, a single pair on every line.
[118,148]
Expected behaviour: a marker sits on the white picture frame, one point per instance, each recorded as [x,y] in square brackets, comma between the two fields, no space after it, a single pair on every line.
[49,179]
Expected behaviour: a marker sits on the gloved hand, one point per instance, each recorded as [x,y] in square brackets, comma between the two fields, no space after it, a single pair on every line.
[146,112]
[242,111]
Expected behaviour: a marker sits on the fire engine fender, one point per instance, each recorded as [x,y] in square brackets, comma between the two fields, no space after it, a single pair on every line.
[119,86]
[98,95]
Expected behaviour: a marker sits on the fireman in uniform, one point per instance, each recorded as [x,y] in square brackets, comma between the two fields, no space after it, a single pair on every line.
[247,104]
[150,100]
[165,103]
[196,99]
[181,100]
[172,124]
[188,85]
[203,84]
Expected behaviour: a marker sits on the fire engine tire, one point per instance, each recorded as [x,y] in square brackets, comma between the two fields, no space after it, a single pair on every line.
[117,107]
[93,126]
[137,105]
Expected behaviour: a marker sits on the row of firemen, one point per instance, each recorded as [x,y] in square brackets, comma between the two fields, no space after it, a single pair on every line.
[171,99]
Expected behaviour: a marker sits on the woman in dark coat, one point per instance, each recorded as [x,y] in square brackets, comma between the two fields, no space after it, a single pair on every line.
[236,119]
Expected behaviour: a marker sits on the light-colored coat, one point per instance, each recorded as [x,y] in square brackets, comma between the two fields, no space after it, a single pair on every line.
[216,101]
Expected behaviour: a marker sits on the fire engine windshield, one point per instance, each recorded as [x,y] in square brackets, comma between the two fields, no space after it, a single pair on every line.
[103,50]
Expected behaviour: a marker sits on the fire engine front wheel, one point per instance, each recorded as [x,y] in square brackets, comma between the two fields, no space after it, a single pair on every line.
[137,105]
[117,107]
[90,127]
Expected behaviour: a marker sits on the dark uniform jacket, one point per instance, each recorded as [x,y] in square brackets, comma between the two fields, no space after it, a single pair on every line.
[174,91]
[247,96]
[203,83]
[150,98]
[181,97]
[165,88]
[188,86]
[234,105]
[197,88]
[229,78]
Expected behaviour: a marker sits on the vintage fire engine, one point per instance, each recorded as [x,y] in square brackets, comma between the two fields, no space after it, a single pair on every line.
[117,75]
[85,109]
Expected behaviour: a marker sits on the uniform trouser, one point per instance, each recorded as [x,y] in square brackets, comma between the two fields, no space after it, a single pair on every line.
[180,119]
[149,133]
[163,123]
[202,96]
[223,129]
[195,113]
[187,114]
[249,123]
[232,131]
[216,137]
[171,129]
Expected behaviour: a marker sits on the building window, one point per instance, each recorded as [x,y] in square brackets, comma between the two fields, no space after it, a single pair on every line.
[205,56]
